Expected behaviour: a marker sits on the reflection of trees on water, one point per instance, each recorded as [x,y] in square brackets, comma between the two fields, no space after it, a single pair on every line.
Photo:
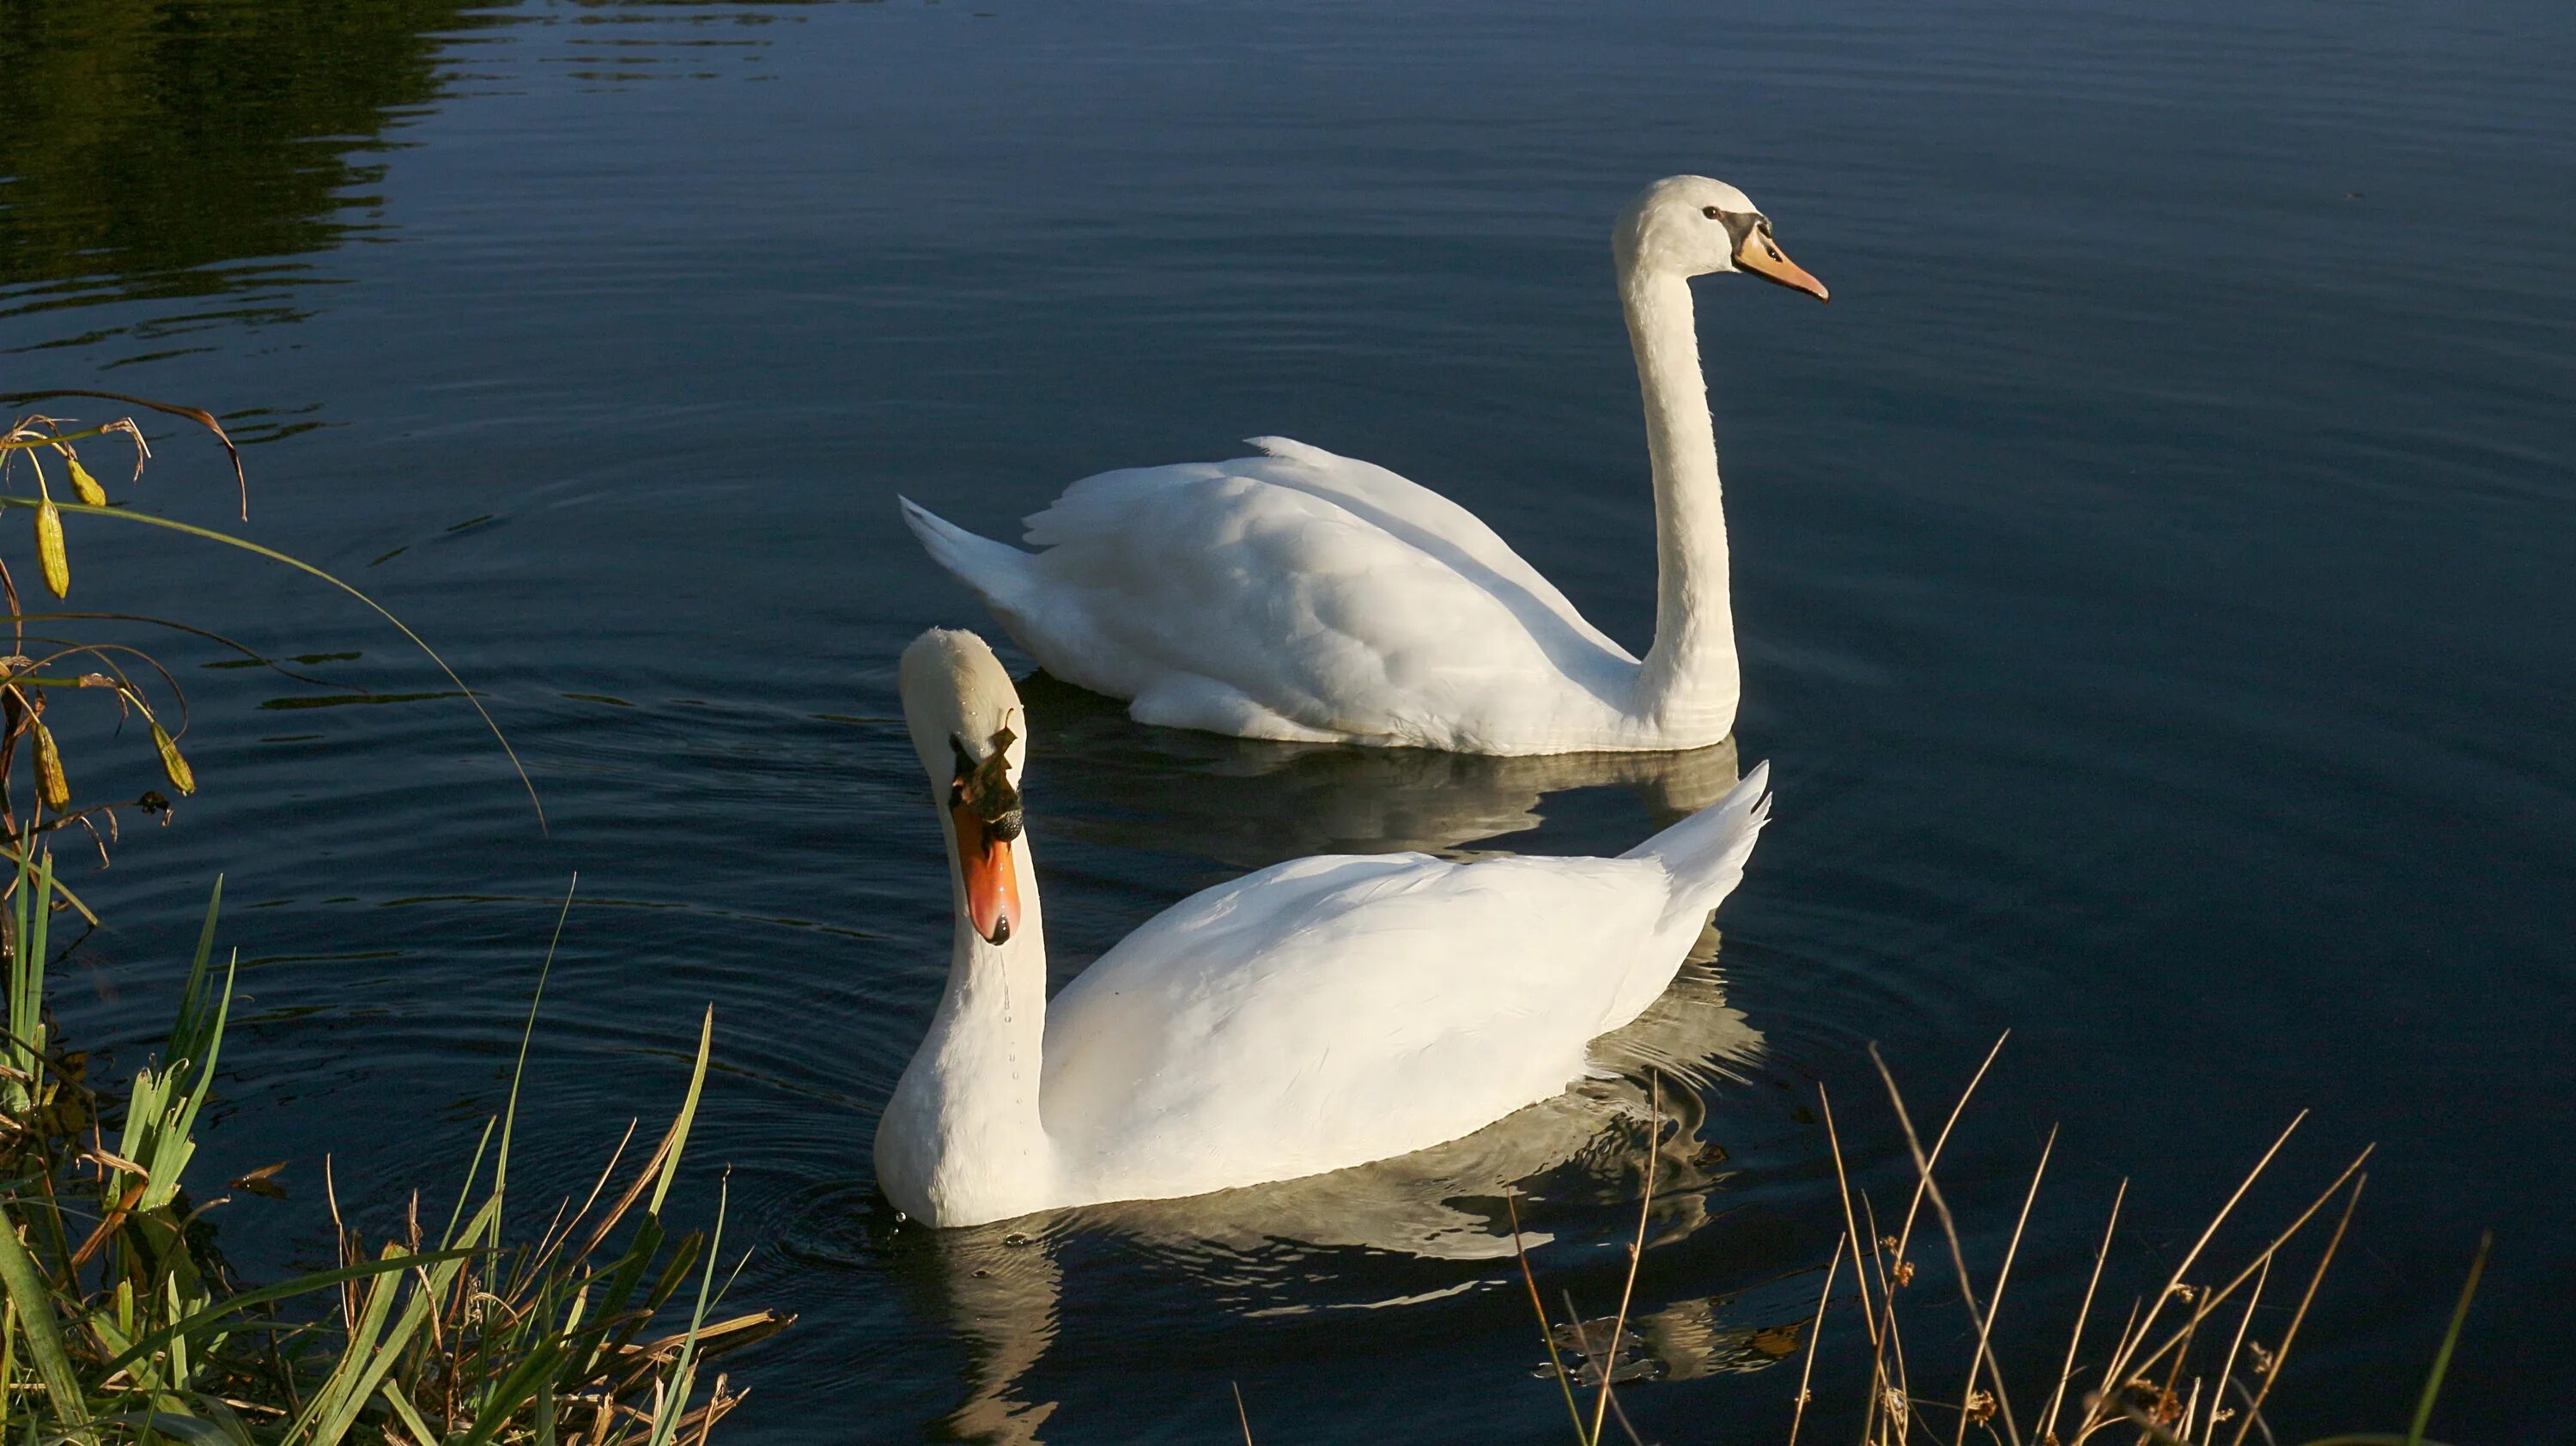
[152,140]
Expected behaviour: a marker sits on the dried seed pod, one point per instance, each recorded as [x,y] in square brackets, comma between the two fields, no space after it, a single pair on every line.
[49,548]
[51,785]
[83,483]
[182,777]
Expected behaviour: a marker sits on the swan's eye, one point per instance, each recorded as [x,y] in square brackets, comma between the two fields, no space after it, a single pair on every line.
[1711,212]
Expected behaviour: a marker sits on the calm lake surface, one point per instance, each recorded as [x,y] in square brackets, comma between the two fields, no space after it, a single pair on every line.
[2154,569]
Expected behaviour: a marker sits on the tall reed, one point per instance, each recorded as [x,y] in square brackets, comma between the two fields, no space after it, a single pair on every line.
[2184,1369]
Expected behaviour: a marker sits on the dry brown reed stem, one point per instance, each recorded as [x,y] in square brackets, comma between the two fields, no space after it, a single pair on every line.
[2281,1357]
[1851,1223]
[1885,1333]
[1815,1340]
[1890,1337]
[2083,1314]
[2227,1363]
[1636,1251]
[559,1234]
[1995,1302]
[2121,1365]
[1924,1187]
[2212,1299]
[1546,1336]
[1240,1414]
[1923,1182]
[1583,1343]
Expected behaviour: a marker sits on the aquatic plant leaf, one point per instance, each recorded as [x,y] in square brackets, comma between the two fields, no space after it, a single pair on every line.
[83,483]
[49,548]
[51,785]
[182,777]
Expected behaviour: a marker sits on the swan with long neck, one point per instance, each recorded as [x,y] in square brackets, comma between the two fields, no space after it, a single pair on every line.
[1314,1015]
[1304,596]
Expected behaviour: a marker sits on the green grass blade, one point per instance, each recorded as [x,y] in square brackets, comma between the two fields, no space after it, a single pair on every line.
[38,937]
[69,897]
[23,1046]
[382,1356]
[684,1373]
[688,1112]
[2450,1338]
[322,1415]
[300,565]
[465,1192]
[192,996]
[519,1070]
[27,1288]
[196,1322]
[515,1389]
[421,1435]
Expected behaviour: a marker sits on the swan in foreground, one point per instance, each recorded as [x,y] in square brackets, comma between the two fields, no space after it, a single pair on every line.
[1309,597]
[1320,1013]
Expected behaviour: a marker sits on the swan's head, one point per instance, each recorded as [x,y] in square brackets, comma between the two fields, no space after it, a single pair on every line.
[971,733]
[1693,226]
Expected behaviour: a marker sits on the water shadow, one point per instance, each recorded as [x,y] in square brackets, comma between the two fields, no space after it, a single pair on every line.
[1252,803]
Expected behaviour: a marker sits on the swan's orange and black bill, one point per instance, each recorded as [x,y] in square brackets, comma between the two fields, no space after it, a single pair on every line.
[985,807]
[1762,256]
[992,883]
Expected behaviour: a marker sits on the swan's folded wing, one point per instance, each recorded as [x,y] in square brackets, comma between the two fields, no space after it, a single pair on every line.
[1401,507]
[1332,1011]
[1338,619]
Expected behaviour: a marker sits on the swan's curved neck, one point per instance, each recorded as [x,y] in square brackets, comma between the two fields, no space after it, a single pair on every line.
[962,1136]
[1689,683]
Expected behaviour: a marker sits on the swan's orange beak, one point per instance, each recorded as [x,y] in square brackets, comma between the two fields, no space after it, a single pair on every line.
[1762,256]
[984,805]
[992,884]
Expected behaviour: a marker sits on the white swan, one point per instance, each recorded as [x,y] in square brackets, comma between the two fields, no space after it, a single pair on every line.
[1314,598]
[1320,1013]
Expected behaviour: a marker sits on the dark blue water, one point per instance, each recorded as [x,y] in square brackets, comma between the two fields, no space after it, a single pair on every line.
[2154,572]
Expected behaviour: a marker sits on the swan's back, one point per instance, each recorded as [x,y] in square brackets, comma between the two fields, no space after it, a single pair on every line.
[1299,595]
[1331,1011]
[1101,506]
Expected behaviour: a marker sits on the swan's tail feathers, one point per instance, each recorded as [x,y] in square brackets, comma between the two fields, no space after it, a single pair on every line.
[1705,852]
[996,570]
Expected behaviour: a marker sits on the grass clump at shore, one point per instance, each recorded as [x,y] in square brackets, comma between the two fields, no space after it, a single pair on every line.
[122,1324]
[2186,1367]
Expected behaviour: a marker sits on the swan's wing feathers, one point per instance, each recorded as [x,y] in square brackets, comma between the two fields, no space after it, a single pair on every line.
[1344,1009]
[1705,853]
[1281,595]
[1107,502]
[1322,595]
[1420,516]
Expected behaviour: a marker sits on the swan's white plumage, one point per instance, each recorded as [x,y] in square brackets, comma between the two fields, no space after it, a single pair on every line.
[1299,596]
[1317,1014]
[1309,597]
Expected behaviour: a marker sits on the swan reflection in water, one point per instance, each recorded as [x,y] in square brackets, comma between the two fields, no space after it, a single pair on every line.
[997,1287]
[1250,804]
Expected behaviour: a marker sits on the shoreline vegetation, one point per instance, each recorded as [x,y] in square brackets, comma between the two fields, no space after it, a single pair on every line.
[119,1319]
[125,1325]
[2185,1368]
